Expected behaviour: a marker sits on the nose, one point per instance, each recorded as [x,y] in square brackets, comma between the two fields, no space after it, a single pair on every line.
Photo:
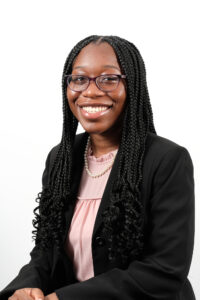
[92,90]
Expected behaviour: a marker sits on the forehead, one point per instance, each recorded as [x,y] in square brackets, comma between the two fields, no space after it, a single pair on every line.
[96,55]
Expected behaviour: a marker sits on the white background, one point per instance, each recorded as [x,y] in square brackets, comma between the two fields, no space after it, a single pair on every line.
[36,37]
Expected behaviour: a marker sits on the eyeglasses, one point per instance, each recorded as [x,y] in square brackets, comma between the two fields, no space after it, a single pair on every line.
[105,83]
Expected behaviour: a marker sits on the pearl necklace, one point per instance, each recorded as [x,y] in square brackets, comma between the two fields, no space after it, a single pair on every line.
[86,162]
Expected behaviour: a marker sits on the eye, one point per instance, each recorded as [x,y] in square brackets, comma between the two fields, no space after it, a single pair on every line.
[78,79]
[109,79]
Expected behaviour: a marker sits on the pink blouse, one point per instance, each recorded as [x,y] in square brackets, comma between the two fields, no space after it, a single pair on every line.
[78,244]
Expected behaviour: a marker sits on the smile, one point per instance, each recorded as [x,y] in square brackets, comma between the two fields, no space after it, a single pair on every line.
[92,109]
[94,112]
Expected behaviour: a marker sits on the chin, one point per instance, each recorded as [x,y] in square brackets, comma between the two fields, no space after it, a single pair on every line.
[94,130]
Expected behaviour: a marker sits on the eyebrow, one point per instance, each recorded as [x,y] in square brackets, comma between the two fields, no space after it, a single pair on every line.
[105,66]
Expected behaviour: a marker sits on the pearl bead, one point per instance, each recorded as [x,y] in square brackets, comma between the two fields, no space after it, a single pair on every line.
[86,162]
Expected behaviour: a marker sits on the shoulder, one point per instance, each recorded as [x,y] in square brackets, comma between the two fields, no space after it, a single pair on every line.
[160,145]
[159,149]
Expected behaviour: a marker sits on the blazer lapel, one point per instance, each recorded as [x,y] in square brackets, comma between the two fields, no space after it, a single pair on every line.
[105,197]
[78,165]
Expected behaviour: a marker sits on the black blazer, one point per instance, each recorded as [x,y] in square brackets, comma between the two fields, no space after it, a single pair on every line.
[168,197]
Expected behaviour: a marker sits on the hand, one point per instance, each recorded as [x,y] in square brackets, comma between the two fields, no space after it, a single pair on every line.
[52,296]
[27,294]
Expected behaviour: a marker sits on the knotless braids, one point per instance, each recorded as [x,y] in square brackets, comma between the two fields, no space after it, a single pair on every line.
[123,218]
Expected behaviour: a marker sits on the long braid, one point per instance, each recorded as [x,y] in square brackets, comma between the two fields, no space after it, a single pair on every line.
[123,219]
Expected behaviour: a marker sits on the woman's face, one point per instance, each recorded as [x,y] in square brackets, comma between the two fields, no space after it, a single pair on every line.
[94,60]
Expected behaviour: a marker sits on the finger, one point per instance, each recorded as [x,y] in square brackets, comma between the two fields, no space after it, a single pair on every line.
[20,295]
[34,293]
[27,290]
[13,297]
[37,294]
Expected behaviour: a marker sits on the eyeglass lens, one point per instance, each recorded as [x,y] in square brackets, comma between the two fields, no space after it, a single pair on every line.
[104,82]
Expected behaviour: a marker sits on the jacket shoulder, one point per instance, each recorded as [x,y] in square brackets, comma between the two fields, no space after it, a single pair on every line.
[156,146]
[159,147]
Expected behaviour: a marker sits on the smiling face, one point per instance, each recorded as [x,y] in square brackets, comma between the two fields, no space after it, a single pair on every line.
[94,60]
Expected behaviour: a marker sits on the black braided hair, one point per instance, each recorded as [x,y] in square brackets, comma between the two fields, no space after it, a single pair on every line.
[123,219]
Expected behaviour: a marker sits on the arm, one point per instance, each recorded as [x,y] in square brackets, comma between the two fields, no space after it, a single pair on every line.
[168,251]
[36,273]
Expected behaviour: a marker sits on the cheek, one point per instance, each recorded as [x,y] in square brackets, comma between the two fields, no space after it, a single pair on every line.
[71,97]
[120,95]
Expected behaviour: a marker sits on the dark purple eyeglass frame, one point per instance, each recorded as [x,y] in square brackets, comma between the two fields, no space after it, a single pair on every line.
[94,79]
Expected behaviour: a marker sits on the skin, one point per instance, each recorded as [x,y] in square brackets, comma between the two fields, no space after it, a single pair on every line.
[32,293]
[105,131]
[93,60]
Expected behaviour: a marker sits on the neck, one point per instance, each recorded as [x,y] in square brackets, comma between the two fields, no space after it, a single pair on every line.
[102,143]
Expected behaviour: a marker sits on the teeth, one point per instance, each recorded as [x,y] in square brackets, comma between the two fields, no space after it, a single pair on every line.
[95,109]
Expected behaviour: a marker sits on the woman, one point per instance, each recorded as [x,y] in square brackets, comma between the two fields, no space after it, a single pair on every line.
[116,212]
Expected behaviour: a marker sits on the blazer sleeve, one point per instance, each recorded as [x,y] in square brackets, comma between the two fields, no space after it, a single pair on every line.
[36,272]
[165,266]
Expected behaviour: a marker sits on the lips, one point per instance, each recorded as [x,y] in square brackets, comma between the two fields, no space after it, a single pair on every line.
[89,105]
[94,115]
[93,104]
